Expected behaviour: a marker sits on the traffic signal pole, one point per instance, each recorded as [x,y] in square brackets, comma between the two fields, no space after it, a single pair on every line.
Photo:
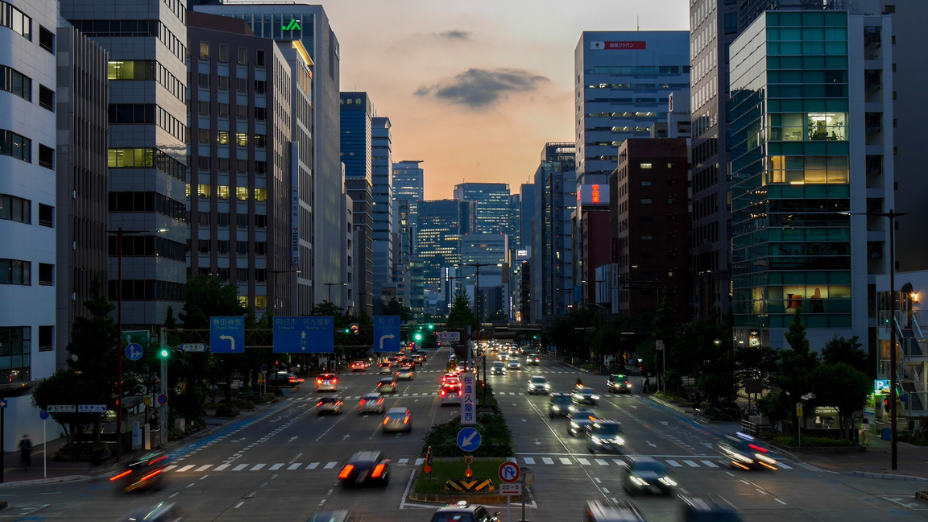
[164,390]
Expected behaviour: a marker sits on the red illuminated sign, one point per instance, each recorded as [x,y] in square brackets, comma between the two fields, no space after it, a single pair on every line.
[595,193]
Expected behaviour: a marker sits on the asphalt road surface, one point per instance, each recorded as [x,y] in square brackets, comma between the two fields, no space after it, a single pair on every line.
[281,465]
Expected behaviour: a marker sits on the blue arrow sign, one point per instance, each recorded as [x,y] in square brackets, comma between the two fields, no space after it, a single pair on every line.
[469,439]
[386,333]
[313,334]
[134,351]
[2,403]
[43,415]
[227,334]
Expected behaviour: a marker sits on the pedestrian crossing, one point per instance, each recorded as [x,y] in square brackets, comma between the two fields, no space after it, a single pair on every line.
[619,397]
[687,462]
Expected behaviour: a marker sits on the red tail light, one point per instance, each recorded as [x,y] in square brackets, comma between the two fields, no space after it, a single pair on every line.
[385,421]
[334,381]
[319,404]
[379,401]
[363,402]
[121,475]
[345,472]
[762,450]
[159,459]
[150,475]
[318,381]
[443,393]
[378,470]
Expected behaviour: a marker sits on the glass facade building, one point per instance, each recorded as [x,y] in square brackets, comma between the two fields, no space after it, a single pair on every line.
[492,205]
[442,223]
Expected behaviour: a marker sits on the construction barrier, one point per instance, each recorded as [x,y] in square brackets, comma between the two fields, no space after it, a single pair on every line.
[469,485]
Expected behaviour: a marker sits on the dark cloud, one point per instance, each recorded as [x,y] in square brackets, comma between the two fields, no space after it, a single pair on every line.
[454,35]
[482,88]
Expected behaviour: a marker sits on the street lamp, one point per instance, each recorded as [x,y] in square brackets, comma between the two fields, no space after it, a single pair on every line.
[119,348]
[330,285]
[477,285]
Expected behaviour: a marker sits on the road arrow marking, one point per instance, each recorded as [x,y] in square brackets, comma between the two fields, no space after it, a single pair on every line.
[346,436]
[651,444]
[537,443]
[293,438]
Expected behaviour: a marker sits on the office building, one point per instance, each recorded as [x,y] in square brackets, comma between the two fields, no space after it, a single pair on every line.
[552,232]
[812,98]
[651,225]
[442,223]
[514,228]
[147,156]
[623,80]
[28,217]
[325,258]
[240,190]
[357,111]
[678,124]
[492,205]
[402,248]
[488,280]
[526,213]
[382,217]
[82,120]
[409,185]
[592,246]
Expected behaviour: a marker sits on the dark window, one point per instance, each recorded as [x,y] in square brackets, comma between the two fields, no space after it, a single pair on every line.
[241,165]
[15,145]
[204,108]
[203,162]
[15,272]
[46,336]
[223,53]
[889,9]
[241,85]
[260,221]
[15,82]
[46,157]
[260,86]
[223,164]
[16,209]
[260,59]
[223,83]
[222,246]
[260,274]
[46,98]
[46,39]
[223,110]
[731,23]
[260,248]
[242,220]
[223,219]
[203,79]
[241,111]
[46,216]
[242,247]
[260,113]
[260,167]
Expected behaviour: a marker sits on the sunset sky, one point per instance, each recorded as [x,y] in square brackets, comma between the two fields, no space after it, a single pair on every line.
[476,88]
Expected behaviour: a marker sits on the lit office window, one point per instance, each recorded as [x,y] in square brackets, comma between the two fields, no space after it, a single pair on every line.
[241,139]
[241,193]
[203,190]
[223,192]
[260,194]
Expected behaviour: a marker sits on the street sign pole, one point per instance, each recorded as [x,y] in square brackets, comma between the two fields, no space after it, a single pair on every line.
[164,391]
[523,471]
[2,464]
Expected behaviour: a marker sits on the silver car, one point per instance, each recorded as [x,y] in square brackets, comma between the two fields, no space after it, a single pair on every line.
[329,404]
[371,403]
[538,384]
[513,364]
[585,396]
[397,419]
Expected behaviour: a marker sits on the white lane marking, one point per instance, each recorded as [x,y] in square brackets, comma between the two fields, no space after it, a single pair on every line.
[402,462]
[620,462]
[257,467]
[762,492]
[312,465]
[185,468]
[780,501]
[597,480]
[240,467]
[583,462]
[222,467]
[330,465]
[169,468]
[709,463]
[546,460]
[174,495]
[294,466]
[691,464]
[276,467]
[239,504]
[601,462]
[204,467]
[419,461]
[530,460]
[606,491]
[674,463]
[298,455]
[564,460]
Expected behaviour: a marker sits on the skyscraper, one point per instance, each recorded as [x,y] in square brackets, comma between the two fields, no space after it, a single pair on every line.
[322,257]
[492,205]
[526,214]
[623,79]
[409,184]
[357,113]
[438,236]
[382,175]
[147,156]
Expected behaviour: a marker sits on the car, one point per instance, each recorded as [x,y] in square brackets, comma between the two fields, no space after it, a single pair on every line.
[700,510]
[330,404]
[464,512]
[387,385]
[143,473]
[499,368]
[579,421]
[647,475]
[538,384]
[743,451]
[605,436]
[358,366]
[513,364]
[559,404]
[585,395]
[405,374]
[327,382]
[338,515]
[408,364]
[618,383]
[419,358]
[160,512]
[450,378]
[532,360]
[370,403]
[397,419]
[618,511]
[504,356]
[450,394]
[283,379]
[365,468]
[386,368]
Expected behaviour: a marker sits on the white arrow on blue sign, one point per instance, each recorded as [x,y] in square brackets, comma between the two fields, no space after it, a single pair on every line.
[2,403]
[469,439]
[134,351]
[43,415]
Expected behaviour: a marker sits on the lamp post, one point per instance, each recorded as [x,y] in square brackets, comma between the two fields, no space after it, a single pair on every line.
[330,285]
[119,348]
[477,285]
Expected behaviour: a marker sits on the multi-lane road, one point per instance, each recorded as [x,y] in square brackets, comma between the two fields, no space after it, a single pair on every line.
[281,464]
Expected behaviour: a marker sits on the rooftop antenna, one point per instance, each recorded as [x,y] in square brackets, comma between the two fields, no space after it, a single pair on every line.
[638,21]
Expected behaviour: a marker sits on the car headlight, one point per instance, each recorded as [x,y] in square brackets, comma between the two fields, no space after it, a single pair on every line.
[556,408]
[547,386]
[638,481]
[765,458]
[595,440]
[574,424]
[594,397]
[667,481]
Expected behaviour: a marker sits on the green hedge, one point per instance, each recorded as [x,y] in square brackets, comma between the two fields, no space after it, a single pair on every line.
[226,410]
[496,439]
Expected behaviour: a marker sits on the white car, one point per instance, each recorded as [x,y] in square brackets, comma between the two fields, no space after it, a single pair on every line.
[450,394]
[538,384]
[513,364]
[330,404]
[371,403]
[397,419]
[406,374]
[327,382]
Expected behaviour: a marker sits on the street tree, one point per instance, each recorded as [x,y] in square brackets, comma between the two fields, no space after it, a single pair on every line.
[461,315]
[847,351]
[842,386]
[795,373]
[67,386]
[394,307]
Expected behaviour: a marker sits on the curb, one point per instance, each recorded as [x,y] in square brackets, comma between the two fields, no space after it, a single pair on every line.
[451,498]
[890,476]
[39,482]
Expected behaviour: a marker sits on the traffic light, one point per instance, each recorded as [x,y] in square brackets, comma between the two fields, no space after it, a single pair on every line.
[417,336]
[431,326]
[354,328]
[347,330]
[468,473]
[164,353]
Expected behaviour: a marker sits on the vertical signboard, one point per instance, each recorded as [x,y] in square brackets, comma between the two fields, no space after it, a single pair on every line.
[468,399]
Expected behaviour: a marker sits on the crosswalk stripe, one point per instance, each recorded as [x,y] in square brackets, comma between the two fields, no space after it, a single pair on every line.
[292,467]
[221,467]
[784,466]
[691,464]
[276,467]
[257,467]
[419,461]
[204,468]
[312,465]
[583,462]
[565,460]
[402,462]
[620,462]
[330,465]
[709,463]
[240,467]
[528,460]
[185,468]
[601,462]
[674,463]
[169,468]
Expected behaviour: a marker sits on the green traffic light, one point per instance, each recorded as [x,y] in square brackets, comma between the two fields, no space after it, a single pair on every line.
[164,353]
[417,336]
[431,326]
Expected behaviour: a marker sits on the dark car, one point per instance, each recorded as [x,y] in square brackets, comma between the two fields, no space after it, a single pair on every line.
[160,512]
[700,510]
[464,512]
[283,379]
[647,475]
[532,359]
[365,468]
[605,436]
[619,383]
[620,511]
[559,404]
[743,451]
[142,474]
[578,422]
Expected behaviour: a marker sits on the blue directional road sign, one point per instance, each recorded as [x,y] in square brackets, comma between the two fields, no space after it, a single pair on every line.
[2,403]
[134,351]
[227,334]
[386,333]
[43,415]
[469,439]
[313,334]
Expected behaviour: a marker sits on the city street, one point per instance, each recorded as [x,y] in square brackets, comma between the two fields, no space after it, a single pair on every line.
[282,464]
